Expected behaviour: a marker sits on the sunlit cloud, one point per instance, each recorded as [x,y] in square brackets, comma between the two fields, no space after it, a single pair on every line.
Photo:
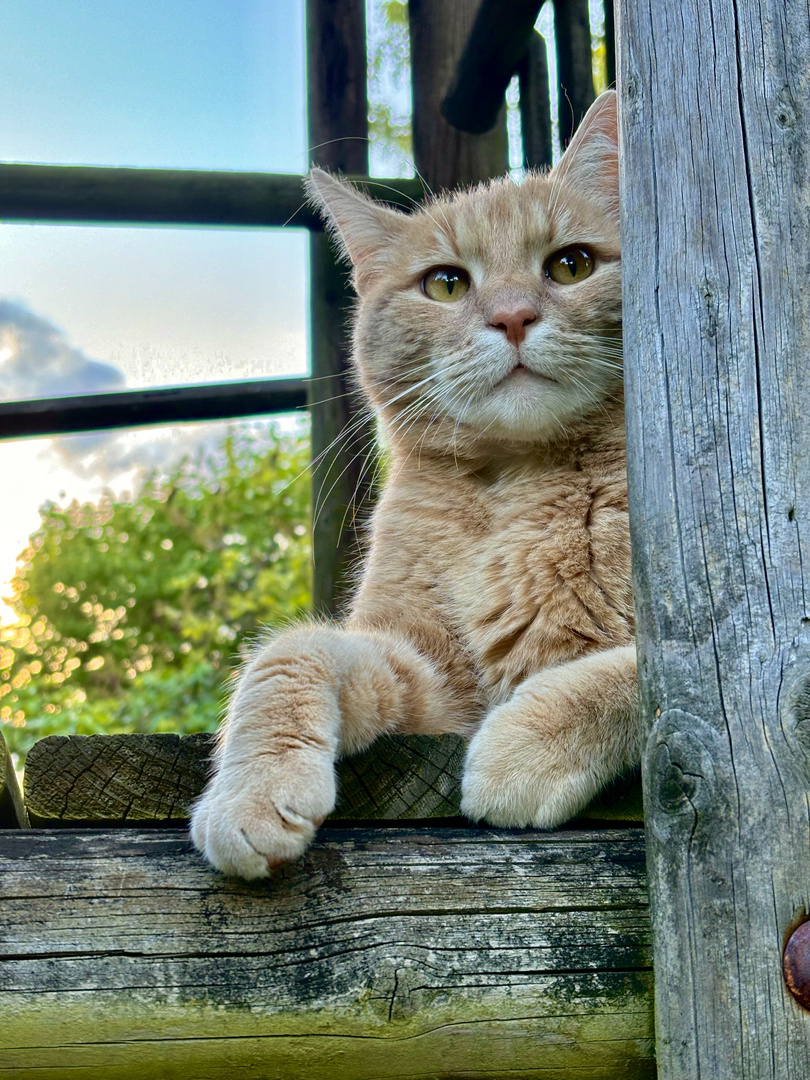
[37,359]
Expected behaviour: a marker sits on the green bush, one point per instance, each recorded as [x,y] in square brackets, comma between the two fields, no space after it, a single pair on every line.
[132,612]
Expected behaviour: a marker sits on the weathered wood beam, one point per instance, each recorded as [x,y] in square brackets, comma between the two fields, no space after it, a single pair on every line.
[715,130]
[133,780]
[610,42]
[444,156]
[80,193]
[337,118]
[136,408]
[535,105]
[574,73]
[499,38]
[12,808]
[393,953]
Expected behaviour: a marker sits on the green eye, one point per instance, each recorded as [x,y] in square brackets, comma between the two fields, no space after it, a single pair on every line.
[446,284]
[569,266]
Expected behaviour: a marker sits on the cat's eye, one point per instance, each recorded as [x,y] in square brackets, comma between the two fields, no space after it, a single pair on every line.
[570,266]
[446,284]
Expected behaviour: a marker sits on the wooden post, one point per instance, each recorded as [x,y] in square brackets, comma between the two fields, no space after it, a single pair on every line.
[535,107]
[610,42]
[574,75]
[444,156]
[715,130]
[337,115]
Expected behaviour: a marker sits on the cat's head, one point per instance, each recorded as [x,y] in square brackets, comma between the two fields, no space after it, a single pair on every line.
[492,313]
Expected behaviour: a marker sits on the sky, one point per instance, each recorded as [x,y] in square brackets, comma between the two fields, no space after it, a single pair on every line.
[188,84]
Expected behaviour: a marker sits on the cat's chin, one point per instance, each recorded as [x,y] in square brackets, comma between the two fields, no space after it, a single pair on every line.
[525,407]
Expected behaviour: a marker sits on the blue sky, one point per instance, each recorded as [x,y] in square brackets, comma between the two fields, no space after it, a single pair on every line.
[192,84]
[216,84]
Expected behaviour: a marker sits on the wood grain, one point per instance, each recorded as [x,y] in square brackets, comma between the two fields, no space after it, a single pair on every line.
[574,75]
[132,780]
[715,131]
[385,953]
[444,156]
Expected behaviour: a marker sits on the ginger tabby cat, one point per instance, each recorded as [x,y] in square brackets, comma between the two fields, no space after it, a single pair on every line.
[496,599]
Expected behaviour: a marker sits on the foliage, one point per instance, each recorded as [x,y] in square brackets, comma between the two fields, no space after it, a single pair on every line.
[389,92]
[130,611]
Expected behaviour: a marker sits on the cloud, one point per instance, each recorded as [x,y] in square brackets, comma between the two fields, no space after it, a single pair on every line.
[37,360]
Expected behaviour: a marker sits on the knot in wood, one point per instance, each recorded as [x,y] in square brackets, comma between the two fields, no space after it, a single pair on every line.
[796,964]
[683,755]
[786,114]
[798,715]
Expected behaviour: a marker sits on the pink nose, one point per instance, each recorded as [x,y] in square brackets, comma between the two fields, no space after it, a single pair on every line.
[513,322]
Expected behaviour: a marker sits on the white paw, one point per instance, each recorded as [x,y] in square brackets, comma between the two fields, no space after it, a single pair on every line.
[515,777]
[254,817]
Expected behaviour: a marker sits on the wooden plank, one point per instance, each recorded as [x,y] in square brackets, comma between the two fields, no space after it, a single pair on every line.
[499,39]
[129,780]
[337,117]
[610,42]
[384,953]
[444,156]
[80,193]
[165,405]
[716,209]
[535,105]
[574,75]
[12,808]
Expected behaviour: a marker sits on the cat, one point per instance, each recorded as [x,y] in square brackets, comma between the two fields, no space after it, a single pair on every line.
[496,597]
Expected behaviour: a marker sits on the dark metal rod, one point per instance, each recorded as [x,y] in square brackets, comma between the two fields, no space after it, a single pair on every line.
[139,408]
[78,193]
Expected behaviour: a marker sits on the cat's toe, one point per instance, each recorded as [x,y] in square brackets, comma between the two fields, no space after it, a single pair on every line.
[248,829]
[513,779]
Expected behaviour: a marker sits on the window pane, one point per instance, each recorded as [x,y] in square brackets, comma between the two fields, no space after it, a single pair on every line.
[196,84]
[153,556]
[86,309]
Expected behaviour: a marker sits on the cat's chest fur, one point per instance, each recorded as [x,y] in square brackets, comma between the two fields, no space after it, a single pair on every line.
[548,578]
[499,570]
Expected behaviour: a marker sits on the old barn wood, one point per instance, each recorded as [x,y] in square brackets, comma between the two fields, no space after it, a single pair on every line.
[716,231]
[137,780]
[384,953]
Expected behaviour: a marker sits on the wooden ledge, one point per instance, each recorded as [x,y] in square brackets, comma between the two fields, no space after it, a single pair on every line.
[387,952]
[142,780]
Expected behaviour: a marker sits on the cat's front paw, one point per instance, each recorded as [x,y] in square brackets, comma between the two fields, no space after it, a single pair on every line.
[516,775]
[253,818]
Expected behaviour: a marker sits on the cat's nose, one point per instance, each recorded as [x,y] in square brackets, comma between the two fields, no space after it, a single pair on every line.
[513,322]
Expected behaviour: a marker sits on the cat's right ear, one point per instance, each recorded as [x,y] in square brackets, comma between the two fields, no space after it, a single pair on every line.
[362,228]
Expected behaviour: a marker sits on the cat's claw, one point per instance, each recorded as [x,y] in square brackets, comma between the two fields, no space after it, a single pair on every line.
[247,825]
[510,781]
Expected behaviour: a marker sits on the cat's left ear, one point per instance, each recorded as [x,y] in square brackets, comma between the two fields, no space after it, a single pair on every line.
[590,163]
[362,228]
